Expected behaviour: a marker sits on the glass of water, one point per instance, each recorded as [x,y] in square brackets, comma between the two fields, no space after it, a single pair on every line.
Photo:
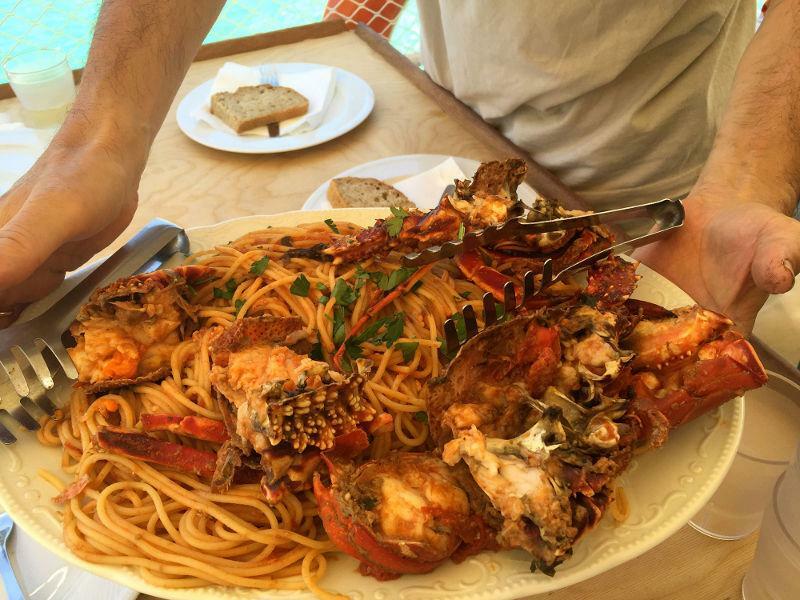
[771,431]
[775,571]
[42,81]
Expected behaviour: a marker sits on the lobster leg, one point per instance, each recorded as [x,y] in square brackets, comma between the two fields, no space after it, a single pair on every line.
[201,428]
[143,447]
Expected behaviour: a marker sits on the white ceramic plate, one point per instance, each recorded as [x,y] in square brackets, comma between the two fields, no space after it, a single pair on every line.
[351,104]
[44,576]
[393,168]
[665,488]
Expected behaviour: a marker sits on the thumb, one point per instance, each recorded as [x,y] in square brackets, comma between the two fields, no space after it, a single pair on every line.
[34,233]
[777,255]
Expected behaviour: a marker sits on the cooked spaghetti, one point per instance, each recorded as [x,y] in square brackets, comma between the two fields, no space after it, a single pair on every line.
[169,525]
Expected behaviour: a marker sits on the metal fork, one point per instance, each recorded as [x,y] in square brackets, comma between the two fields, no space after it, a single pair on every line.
[269,75]
[667,214]
[33,359]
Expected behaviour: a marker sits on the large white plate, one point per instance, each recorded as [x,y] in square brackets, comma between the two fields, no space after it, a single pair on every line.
[351,104]
[393,168]
[665,488]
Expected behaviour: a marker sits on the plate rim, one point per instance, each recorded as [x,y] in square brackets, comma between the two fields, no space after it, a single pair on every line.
[515,589]
[183,116]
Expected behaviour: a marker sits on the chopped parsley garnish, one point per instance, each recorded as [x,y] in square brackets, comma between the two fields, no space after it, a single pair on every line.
[343,293]
[465,294]
[332,225]
[238,305]
[392,330]
[388,282]
[321,287]
[500,310]
[227,292]
[316,352]
[408,349]
[339,331]
[461,231]
[324,300]
[421,416]
[258,267]
[461,325]
[300,286]
[394,224]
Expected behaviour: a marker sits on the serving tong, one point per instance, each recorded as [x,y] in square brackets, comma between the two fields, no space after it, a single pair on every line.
[33,360]
[665,215]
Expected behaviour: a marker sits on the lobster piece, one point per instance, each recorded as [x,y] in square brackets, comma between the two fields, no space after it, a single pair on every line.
[546,410]
[169,454]
[280,407]
[489,199]
[127,330]
[405,513]
[200,428]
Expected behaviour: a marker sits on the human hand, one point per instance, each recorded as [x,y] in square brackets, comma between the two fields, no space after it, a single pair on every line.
[74,201]
[729,255]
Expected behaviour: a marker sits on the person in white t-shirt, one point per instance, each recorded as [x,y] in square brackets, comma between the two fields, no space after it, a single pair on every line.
[625,101]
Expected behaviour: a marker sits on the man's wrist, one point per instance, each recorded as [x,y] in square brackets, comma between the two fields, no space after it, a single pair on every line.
[116,133]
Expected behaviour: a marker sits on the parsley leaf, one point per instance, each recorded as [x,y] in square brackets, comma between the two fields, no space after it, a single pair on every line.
[408,349]
[238,305]
[228,291]
[324,300]
[395,224]
[394,329]
[461,326]
[316,352]
[259,266]
[461,231]
[300,286]
[343,293]
[500,310]
[388,282]
[339,331]
[332,225]
[321,287]
[421,416]
[361,278]
[466,294]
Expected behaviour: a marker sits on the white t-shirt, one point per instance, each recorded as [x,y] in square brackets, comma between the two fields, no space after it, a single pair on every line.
[620,98]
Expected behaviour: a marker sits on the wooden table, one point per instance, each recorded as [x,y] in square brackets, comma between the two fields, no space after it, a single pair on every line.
[194,185]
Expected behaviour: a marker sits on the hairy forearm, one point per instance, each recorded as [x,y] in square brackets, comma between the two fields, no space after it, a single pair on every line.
[140,53]
[756,153]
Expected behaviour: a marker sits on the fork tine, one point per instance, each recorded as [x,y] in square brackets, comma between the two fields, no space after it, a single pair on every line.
[46,405]
[6,437]
[451,335]
[470,321]
[509,297]
[547,275]
[24,418]
[61,355]
[10,371]
[489,309]
[32,366]
[528,285]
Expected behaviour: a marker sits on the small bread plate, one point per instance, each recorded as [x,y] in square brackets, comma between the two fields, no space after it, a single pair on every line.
[351,103]
[414,175]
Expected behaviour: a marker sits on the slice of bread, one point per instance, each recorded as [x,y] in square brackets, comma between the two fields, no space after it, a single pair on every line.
[257,105]
[365,192]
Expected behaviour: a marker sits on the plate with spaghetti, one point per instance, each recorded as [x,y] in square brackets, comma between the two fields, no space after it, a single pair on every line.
[189,514]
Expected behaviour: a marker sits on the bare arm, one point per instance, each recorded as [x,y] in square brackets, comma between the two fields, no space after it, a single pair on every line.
[81,193]
[739,243]
[757,148]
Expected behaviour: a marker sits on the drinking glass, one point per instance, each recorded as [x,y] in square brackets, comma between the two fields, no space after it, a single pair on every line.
[42,81]
[771,431]
[775,571]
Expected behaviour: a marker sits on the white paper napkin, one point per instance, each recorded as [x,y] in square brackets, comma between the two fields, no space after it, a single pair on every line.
[316,84]
[425,189]
[20,146]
